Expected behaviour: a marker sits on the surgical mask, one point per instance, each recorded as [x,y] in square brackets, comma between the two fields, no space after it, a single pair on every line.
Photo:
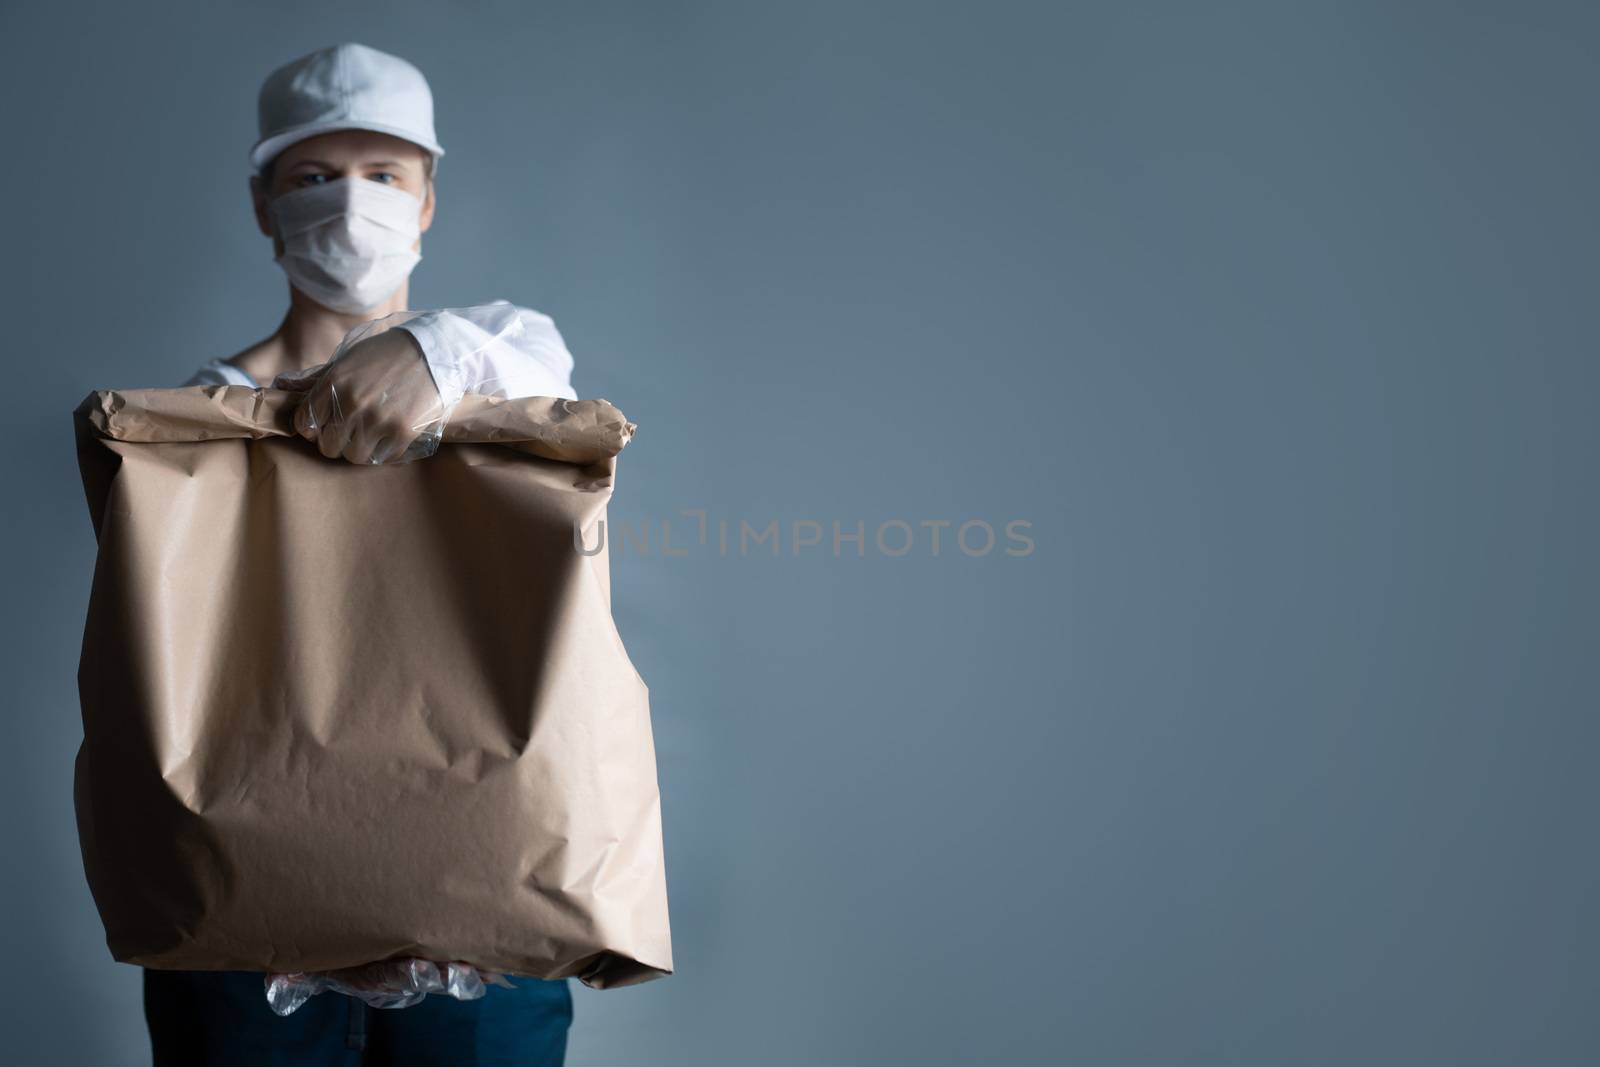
[347,243]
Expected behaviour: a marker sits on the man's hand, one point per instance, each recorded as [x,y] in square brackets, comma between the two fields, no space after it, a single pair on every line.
[394,983]
[374,402]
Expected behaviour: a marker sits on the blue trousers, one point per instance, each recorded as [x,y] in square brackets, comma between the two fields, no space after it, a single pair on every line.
[205,1018]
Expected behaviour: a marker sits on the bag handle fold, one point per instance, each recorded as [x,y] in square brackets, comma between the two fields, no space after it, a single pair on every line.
[570,431]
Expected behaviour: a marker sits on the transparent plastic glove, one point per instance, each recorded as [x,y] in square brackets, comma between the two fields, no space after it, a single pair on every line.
[389,984]
[375,401]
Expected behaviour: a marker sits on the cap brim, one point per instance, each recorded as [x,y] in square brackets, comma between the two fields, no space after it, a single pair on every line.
[268,148]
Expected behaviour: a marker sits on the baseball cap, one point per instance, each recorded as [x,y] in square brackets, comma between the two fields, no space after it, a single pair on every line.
[345,87]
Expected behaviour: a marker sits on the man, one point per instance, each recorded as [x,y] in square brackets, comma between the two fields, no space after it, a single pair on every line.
[344,187]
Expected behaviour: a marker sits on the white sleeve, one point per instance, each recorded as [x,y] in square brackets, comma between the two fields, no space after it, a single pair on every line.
[495,349]
[217,372]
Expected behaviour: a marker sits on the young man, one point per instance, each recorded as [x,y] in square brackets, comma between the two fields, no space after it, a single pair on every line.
[344,187]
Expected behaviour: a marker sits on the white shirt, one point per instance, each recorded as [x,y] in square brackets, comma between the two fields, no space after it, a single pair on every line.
[497,349]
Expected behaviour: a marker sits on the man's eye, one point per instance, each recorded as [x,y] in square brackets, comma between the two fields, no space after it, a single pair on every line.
[312,179]
[382,176]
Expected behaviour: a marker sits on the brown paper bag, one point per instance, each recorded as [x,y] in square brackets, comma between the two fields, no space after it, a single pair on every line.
[335,714]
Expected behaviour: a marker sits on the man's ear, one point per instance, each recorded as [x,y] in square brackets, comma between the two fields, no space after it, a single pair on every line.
[258,200]
[426,218]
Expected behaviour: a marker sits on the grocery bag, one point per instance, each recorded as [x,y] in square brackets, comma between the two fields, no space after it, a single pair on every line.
[335,714]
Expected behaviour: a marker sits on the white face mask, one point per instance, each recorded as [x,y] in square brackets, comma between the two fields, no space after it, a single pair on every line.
[347,243]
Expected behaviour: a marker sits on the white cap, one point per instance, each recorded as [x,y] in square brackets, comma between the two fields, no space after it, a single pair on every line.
[346,87]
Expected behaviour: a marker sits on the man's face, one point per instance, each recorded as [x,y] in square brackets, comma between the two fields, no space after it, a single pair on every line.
[358,154]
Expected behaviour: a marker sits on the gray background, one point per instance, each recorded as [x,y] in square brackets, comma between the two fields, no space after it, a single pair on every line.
[1268,317]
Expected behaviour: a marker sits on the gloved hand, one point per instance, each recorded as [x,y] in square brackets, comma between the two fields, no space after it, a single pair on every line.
[375,401]
[389,984]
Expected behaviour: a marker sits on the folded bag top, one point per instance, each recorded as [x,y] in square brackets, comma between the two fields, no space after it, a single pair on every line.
[571,431]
